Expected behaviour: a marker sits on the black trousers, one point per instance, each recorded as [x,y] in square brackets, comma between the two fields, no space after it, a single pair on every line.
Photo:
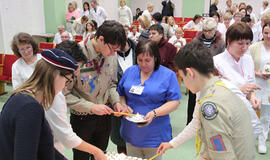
[191,106]
[93,129]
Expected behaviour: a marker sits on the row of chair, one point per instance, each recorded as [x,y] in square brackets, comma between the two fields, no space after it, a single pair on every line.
[6,63]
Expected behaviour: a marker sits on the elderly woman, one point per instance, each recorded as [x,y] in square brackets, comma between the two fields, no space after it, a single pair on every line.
[25,48]
[260,54]
[147,91]
[24,130]
[235,65]
[195,24]
[71,15]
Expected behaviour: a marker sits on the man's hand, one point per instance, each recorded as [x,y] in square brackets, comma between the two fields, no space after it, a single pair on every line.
[101,109]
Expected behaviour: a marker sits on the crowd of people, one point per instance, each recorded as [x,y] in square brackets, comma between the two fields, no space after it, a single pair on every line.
[120,68]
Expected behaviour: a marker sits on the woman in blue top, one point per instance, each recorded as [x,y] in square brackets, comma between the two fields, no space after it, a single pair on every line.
[150,89]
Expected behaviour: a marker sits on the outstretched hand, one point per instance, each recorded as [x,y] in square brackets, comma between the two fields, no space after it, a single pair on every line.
[163,147]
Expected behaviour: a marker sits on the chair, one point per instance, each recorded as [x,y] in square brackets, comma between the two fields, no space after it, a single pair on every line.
[7,71]
[78,38]
[178,19]
[45,45]
[187,19]
[188,40]
[190,34]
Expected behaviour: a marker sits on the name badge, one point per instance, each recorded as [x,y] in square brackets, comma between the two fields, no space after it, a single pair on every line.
[136,90]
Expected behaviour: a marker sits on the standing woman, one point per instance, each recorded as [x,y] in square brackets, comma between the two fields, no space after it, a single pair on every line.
[86,10]
[157,97]
[25,48]
[260,53]
[124,13]
[24,131]
[71,15]
[237,66]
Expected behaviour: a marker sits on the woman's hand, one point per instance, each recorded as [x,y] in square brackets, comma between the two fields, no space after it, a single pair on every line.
[263,76]
[248,88]
[256,104]
[99,155]
[164,147]
[118,107]
[150,116]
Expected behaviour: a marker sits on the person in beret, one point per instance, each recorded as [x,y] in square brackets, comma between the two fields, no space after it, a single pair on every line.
[64,136]
[24,131]
[94,89]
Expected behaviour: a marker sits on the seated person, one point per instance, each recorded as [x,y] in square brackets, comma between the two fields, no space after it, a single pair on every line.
[195,24]
[65,36]
[134,35]
[177,40]
[90,29]
[57,37]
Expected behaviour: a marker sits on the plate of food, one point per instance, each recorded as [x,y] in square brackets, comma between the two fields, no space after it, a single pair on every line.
[137,118]
[121,156]
[266,69]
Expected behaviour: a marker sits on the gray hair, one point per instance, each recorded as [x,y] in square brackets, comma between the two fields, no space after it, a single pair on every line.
[209,24]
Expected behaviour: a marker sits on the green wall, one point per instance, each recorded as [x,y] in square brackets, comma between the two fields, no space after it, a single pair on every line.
[54,11]
[192,7]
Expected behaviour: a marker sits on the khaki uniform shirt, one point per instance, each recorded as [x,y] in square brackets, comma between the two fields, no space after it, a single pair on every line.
[92,87]
[226,129]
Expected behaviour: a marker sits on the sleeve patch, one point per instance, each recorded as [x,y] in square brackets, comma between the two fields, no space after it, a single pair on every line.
[209,110]
[217,143]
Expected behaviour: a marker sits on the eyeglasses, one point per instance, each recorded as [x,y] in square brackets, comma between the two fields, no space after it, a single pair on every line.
[112,49]
[68,80]
[26,49]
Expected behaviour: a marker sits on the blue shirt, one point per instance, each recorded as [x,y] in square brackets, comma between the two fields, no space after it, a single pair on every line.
[160,87]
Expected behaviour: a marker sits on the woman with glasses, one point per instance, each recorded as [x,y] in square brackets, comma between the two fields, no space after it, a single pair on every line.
[24,131]
[25,48]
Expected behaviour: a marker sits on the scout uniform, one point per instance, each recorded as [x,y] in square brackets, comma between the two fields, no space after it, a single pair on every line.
[226,129]
[96,84]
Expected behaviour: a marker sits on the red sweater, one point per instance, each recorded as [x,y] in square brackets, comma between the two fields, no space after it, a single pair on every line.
[167,53]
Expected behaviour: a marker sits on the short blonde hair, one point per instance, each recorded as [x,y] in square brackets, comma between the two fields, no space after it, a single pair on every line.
[179,30]
[266,17]
[144,21]
[150,5]
[227,15]
[209,24]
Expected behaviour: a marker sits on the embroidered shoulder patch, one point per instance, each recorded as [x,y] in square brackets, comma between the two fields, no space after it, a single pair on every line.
[209,110]
[217,143]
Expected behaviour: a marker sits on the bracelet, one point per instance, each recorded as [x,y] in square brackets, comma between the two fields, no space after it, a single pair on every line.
[155,113]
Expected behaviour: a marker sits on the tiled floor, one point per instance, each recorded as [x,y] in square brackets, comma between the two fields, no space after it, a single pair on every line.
[178,120]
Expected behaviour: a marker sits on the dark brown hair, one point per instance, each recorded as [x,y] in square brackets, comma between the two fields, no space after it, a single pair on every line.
[238,31]
[21,38]
[150,47]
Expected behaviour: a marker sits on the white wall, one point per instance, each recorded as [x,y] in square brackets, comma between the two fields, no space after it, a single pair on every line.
[142,4]
[20,16]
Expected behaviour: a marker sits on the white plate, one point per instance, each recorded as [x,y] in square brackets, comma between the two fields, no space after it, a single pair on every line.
[137,119]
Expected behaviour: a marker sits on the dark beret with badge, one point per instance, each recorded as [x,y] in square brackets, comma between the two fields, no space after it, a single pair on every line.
[59,59]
